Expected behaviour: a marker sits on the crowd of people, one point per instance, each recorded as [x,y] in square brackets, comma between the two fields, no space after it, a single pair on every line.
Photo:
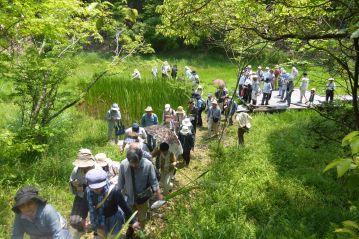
[107,192]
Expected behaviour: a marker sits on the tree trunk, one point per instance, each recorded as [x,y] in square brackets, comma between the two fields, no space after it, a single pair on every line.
[355,83]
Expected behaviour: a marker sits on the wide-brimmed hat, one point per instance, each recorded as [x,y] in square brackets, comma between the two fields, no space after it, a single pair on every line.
[313,89]
[186,122]
[96,178]
[101,159]
[149,109]
[25,194]
[185,130]
[115,107]
[84,159]
[180,110]
[267,68]
[167,107]
[331,79]
[214,102]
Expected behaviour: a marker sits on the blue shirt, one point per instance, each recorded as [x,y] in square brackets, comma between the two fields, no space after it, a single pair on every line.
[47,223]
[149,120]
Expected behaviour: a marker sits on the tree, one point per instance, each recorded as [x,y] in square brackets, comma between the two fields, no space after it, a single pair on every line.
[325,26]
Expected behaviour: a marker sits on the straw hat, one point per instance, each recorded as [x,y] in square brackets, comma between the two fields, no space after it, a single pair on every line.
[84,159]
[115,107]
[101,159]
[331,79]
[185,130]
[149,109]
[180,110]
[186,122]
[96,178]
[267,68]
[313,89]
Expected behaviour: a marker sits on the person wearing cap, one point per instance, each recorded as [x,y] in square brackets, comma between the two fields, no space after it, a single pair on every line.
[303,87]
[166,68]
[329,93]
[187,139]
[109,166]
[36,218]
[193,114]
[138,130]
[180,115]
[113,117]
[148,119]
[138,181]
[167,161]
[168,116]
[244,124]
[83,163]
[213,118]
[104,202]
[136,75]
[255,89]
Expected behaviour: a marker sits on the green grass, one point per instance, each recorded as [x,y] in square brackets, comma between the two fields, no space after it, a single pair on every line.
[262,188]
[271,188]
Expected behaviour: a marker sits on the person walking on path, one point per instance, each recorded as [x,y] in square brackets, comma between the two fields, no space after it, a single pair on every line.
[36,218]
[303,87]
[167,161]
[244,124]
[168,116]
[174,72]
[187,141]
[106,205]
[277,73]
[109,166]
[138,130]
[329,93]
[311,98]
[201,106]
[138,182]
[267,90]
[113,117]
[148,119]
[165,69]
[213,119]
[180,115]
[192,114]
[83,163]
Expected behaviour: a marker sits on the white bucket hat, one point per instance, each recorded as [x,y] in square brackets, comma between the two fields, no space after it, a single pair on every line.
[149,109]
[167,107]
[186,122]
[185,130]
[115,107]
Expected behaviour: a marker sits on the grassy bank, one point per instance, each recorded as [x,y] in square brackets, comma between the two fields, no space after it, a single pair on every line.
[271,188]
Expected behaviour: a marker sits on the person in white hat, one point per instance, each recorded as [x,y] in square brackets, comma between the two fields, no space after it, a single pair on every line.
[187,140]
[329,93]
[180,115]
[103,201]
[188,72]
[148,119]
[213,118]
[166,68]
[244,124]
[168,116]
[113,117]
[83,163]
[136,75]
[109,166]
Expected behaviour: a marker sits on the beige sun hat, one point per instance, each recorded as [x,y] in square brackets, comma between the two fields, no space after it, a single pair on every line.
[313,89]
[180,110]
[84,159]
[186,122]
[101,159]
[149,109]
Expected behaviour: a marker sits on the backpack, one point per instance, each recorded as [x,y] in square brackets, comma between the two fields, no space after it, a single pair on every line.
[203,104]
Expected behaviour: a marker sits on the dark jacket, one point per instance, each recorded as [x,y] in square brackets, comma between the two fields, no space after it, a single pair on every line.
[187,141]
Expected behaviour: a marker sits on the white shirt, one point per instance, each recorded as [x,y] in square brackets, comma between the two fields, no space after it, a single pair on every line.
[304,83]
[244,120]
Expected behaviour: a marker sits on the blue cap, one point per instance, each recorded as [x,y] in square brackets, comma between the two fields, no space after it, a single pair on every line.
[96,178]
[135,127]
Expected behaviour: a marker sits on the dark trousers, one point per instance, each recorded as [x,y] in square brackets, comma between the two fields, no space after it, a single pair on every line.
[186,156]
[151,142]
[289,97]
[78,213]
[199,118]
[265,98]
[241,132]
[329,95]
[194,123]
